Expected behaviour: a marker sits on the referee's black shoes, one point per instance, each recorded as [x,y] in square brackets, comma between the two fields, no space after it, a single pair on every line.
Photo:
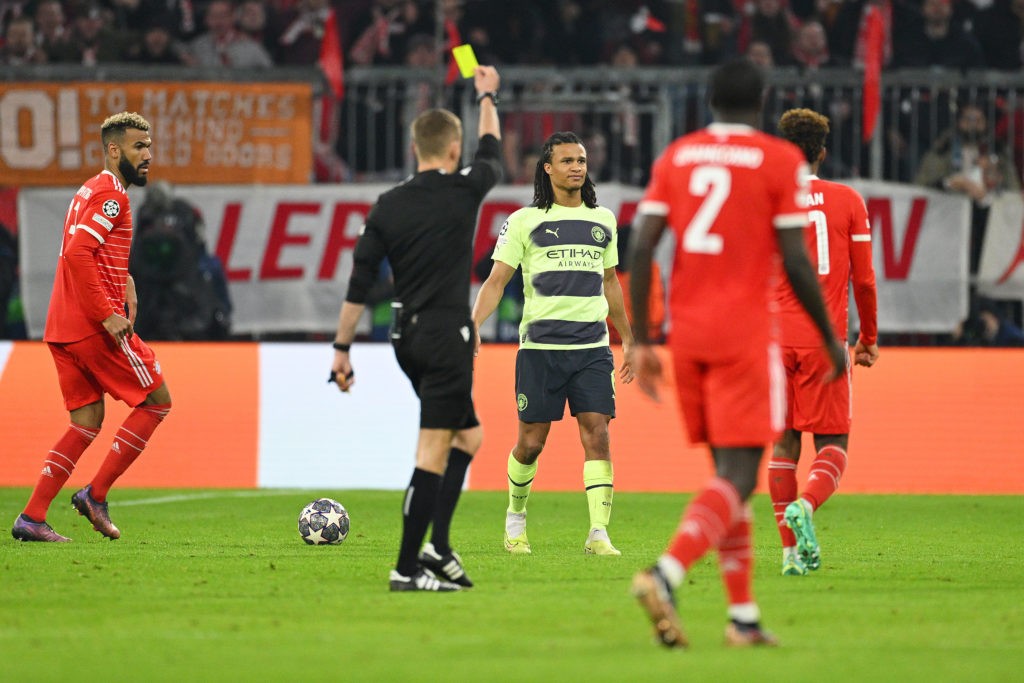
[448,566]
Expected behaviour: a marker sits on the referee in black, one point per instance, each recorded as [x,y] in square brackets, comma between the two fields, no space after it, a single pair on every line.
[425,228]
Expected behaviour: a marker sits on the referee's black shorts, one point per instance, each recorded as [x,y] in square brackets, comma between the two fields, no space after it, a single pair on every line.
[436,354]
[546,379]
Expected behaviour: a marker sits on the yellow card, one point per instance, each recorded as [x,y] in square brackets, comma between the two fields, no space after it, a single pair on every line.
[465,59]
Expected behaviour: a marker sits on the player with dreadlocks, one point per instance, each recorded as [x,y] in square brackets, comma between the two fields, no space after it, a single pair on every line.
[566,246]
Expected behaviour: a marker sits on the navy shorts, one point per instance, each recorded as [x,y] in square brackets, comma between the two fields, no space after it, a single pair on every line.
[436,354]
[546,379]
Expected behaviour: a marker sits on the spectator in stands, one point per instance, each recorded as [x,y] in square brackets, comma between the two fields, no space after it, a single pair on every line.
[384,29]
[771,22]
[477,27]
[421,53]
[989,324]
[573,34]
[534,116]
[760,53]
[182,287]
[9,10]
[157,45]
[252,18]
[51,26]
[92,40]
[999,29]
[696,32]
[623,124]
[222,44]
[933,40]
[179,16]
[523,175]
[127,15]
[810,47]
[299,42]
[596,144]
[514,31]
[965,159]
[19,46]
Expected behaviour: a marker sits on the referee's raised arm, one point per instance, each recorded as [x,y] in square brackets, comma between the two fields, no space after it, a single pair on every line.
[486,82]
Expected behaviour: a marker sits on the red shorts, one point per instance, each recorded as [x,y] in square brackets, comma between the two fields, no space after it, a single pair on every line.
[811,404]
[88,368]
[732,402]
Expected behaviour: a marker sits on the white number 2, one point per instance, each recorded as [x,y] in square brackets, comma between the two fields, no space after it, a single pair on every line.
[821,230]
[714,184]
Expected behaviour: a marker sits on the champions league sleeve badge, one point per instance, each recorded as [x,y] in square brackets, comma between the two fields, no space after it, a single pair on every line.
[111,208]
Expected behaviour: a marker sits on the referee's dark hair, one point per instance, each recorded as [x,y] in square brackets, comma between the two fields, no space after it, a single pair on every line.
[807,130]
[736,86]
[543,194]
[432,132]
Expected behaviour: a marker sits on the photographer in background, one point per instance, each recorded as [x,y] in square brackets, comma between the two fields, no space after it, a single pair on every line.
[182,288]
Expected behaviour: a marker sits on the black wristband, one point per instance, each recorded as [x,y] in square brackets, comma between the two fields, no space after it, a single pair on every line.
[338,346]
[492,94]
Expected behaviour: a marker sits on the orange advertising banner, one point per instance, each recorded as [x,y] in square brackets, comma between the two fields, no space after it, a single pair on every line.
[203,133]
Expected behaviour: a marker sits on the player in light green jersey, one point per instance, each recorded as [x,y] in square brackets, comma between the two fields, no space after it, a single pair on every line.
[566,246]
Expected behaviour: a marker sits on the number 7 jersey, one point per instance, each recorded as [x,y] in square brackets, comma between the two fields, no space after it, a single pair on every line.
[724,191]
[92,270]
[839,246]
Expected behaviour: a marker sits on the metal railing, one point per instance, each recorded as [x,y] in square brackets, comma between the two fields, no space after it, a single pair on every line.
[632,114]
[626,115]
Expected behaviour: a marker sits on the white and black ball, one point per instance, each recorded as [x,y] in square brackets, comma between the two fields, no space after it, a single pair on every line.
[324,522]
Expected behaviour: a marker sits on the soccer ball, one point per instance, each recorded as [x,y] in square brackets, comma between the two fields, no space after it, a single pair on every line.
[323,522]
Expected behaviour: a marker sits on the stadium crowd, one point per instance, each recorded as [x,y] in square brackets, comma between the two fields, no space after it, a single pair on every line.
[808,34]
[802,35]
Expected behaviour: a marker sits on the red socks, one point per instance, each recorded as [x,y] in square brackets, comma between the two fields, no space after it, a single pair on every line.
[782,487]
[60,463]
[823,479]
[736,560]
[129,441]
[706,522]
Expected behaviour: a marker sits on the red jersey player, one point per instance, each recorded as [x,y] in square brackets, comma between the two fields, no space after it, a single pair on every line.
[839,241]
[92,342]
[732,196]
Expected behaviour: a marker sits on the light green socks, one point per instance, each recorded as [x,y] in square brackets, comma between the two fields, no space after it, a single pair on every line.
[597,478]
[520,479]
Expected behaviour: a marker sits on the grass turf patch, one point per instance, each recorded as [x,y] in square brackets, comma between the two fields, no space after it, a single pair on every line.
[217,585]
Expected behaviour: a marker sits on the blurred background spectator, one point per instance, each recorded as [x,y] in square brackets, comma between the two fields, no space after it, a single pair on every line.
[999,29]
[770,22]
[966,159]
[301,34]
[51,25]
[222,44]
[254,20]
[93,39]
[19,45]
[182,288]
[399,50]
[933,39]
[158,46]
[760,53]
[810,47]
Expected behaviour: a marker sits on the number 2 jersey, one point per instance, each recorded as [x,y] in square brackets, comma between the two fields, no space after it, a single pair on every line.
[839,246]
[724,191]
[92,271]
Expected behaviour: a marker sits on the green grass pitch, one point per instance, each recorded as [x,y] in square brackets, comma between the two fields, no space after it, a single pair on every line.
[217,585]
